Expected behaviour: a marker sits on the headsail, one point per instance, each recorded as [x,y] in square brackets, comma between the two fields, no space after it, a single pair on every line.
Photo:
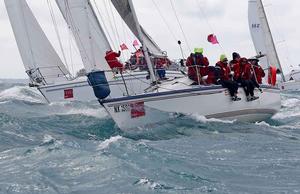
[261,35]
[123,8]
[41,61]
[89,35]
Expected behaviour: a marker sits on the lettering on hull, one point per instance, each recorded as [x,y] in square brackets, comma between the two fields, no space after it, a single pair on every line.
[68,93]
[136,109]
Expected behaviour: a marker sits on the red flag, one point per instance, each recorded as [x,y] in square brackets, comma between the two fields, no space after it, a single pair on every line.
[123,47]
[212,39]
[135,43]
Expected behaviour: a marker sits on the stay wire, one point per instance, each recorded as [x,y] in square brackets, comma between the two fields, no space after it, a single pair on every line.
[180,26]
[110,23]
[207,22]
[165,21]
[57,32]
[104,24]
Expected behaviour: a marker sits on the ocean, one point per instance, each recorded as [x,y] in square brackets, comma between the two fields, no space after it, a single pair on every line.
[76,148]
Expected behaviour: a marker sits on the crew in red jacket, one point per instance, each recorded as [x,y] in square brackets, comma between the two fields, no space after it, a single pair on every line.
[235,67]
[226,78]
[197,65]
[258,70]
[112,59]
[247,79]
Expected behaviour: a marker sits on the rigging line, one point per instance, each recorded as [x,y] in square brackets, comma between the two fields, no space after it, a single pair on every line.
[104,25]
[207,22]
[110,23]
[116,29]
[180,26]
[165,21]
[76,31]
[71,53]
[287,51]
[57,32]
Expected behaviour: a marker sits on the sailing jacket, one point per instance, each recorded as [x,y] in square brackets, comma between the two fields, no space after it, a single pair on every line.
[112,60]
[225,71]
[197,63]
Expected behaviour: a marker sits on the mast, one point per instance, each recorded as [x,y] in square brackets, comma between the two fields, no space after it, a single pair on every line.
[145,49]
[88,33]
[269,36]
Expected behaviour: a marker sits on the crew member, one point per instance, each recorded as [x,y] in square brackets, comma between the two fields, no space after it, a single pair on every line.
[226,78]
[112,59]
[235,66]
[259,73]
[246,79]
[197,65]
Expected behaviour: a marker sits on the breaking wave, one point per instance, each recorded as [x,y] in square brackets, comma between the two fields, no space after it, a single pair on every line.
[22,93]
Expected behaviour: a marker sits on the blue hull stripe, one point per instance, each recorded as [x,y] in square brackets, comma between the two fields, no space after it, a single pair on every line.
[161,94]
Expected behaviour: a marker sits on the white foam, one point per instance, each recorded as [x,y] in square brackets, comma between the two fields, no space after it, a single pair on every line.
[149,183]
[105,144]
[48,139]
[17,93]
[203,119]
[97,113]
[291,102]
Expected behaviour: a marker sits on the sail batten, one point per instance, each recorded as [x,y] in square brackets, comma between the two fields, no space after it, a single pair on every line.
[262,36]
[40,59]
[89,35]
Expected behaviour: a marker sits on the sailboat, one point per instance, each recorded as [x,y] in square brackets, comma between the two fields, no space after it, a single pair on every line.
[265,46]
[46,70]
[164,101]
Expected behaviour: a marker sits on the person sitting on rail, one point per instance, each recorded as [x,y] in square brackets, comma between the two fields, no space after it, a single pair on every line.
[112,59]
[197,65]
[258,74]
[226,79]
[246,79]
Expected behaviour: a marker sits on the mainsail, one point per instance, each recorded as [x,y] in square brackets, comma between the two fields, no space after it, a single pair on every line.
[262,36]
[123,8]
[41,62]
[89,35]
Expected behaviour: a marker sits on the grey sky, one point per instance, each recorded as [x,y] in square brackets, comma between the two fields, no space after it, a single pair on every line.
[226,18]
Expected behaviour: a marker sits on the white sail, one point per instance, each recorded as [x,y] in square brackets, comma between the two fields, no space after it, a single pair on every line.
[41,61]
[89,35]
[261,35]
[123,8]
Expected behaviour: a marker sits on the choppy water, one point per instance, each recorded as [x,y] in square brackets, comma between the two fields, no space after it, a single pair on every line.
[76,148]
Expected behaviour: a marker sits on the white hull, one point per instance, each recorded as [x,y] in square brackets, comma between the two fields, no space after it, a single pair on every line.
[293,85]
[80,90]
[210,101]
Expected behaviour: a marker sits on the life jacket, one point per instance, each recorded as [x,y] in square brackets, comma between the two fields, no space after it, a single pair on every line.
[225,70]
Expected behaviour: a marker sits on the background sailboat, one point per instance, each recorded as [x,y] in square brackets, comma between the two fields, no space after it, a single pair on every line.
[42,63]
[56,84]
[262,36]
[264,45]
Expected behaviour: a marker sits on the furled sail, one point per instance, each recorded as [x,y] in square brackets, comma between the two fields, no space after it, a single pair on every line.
[261,35]
[41,61]
[89,35]
[123,8]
